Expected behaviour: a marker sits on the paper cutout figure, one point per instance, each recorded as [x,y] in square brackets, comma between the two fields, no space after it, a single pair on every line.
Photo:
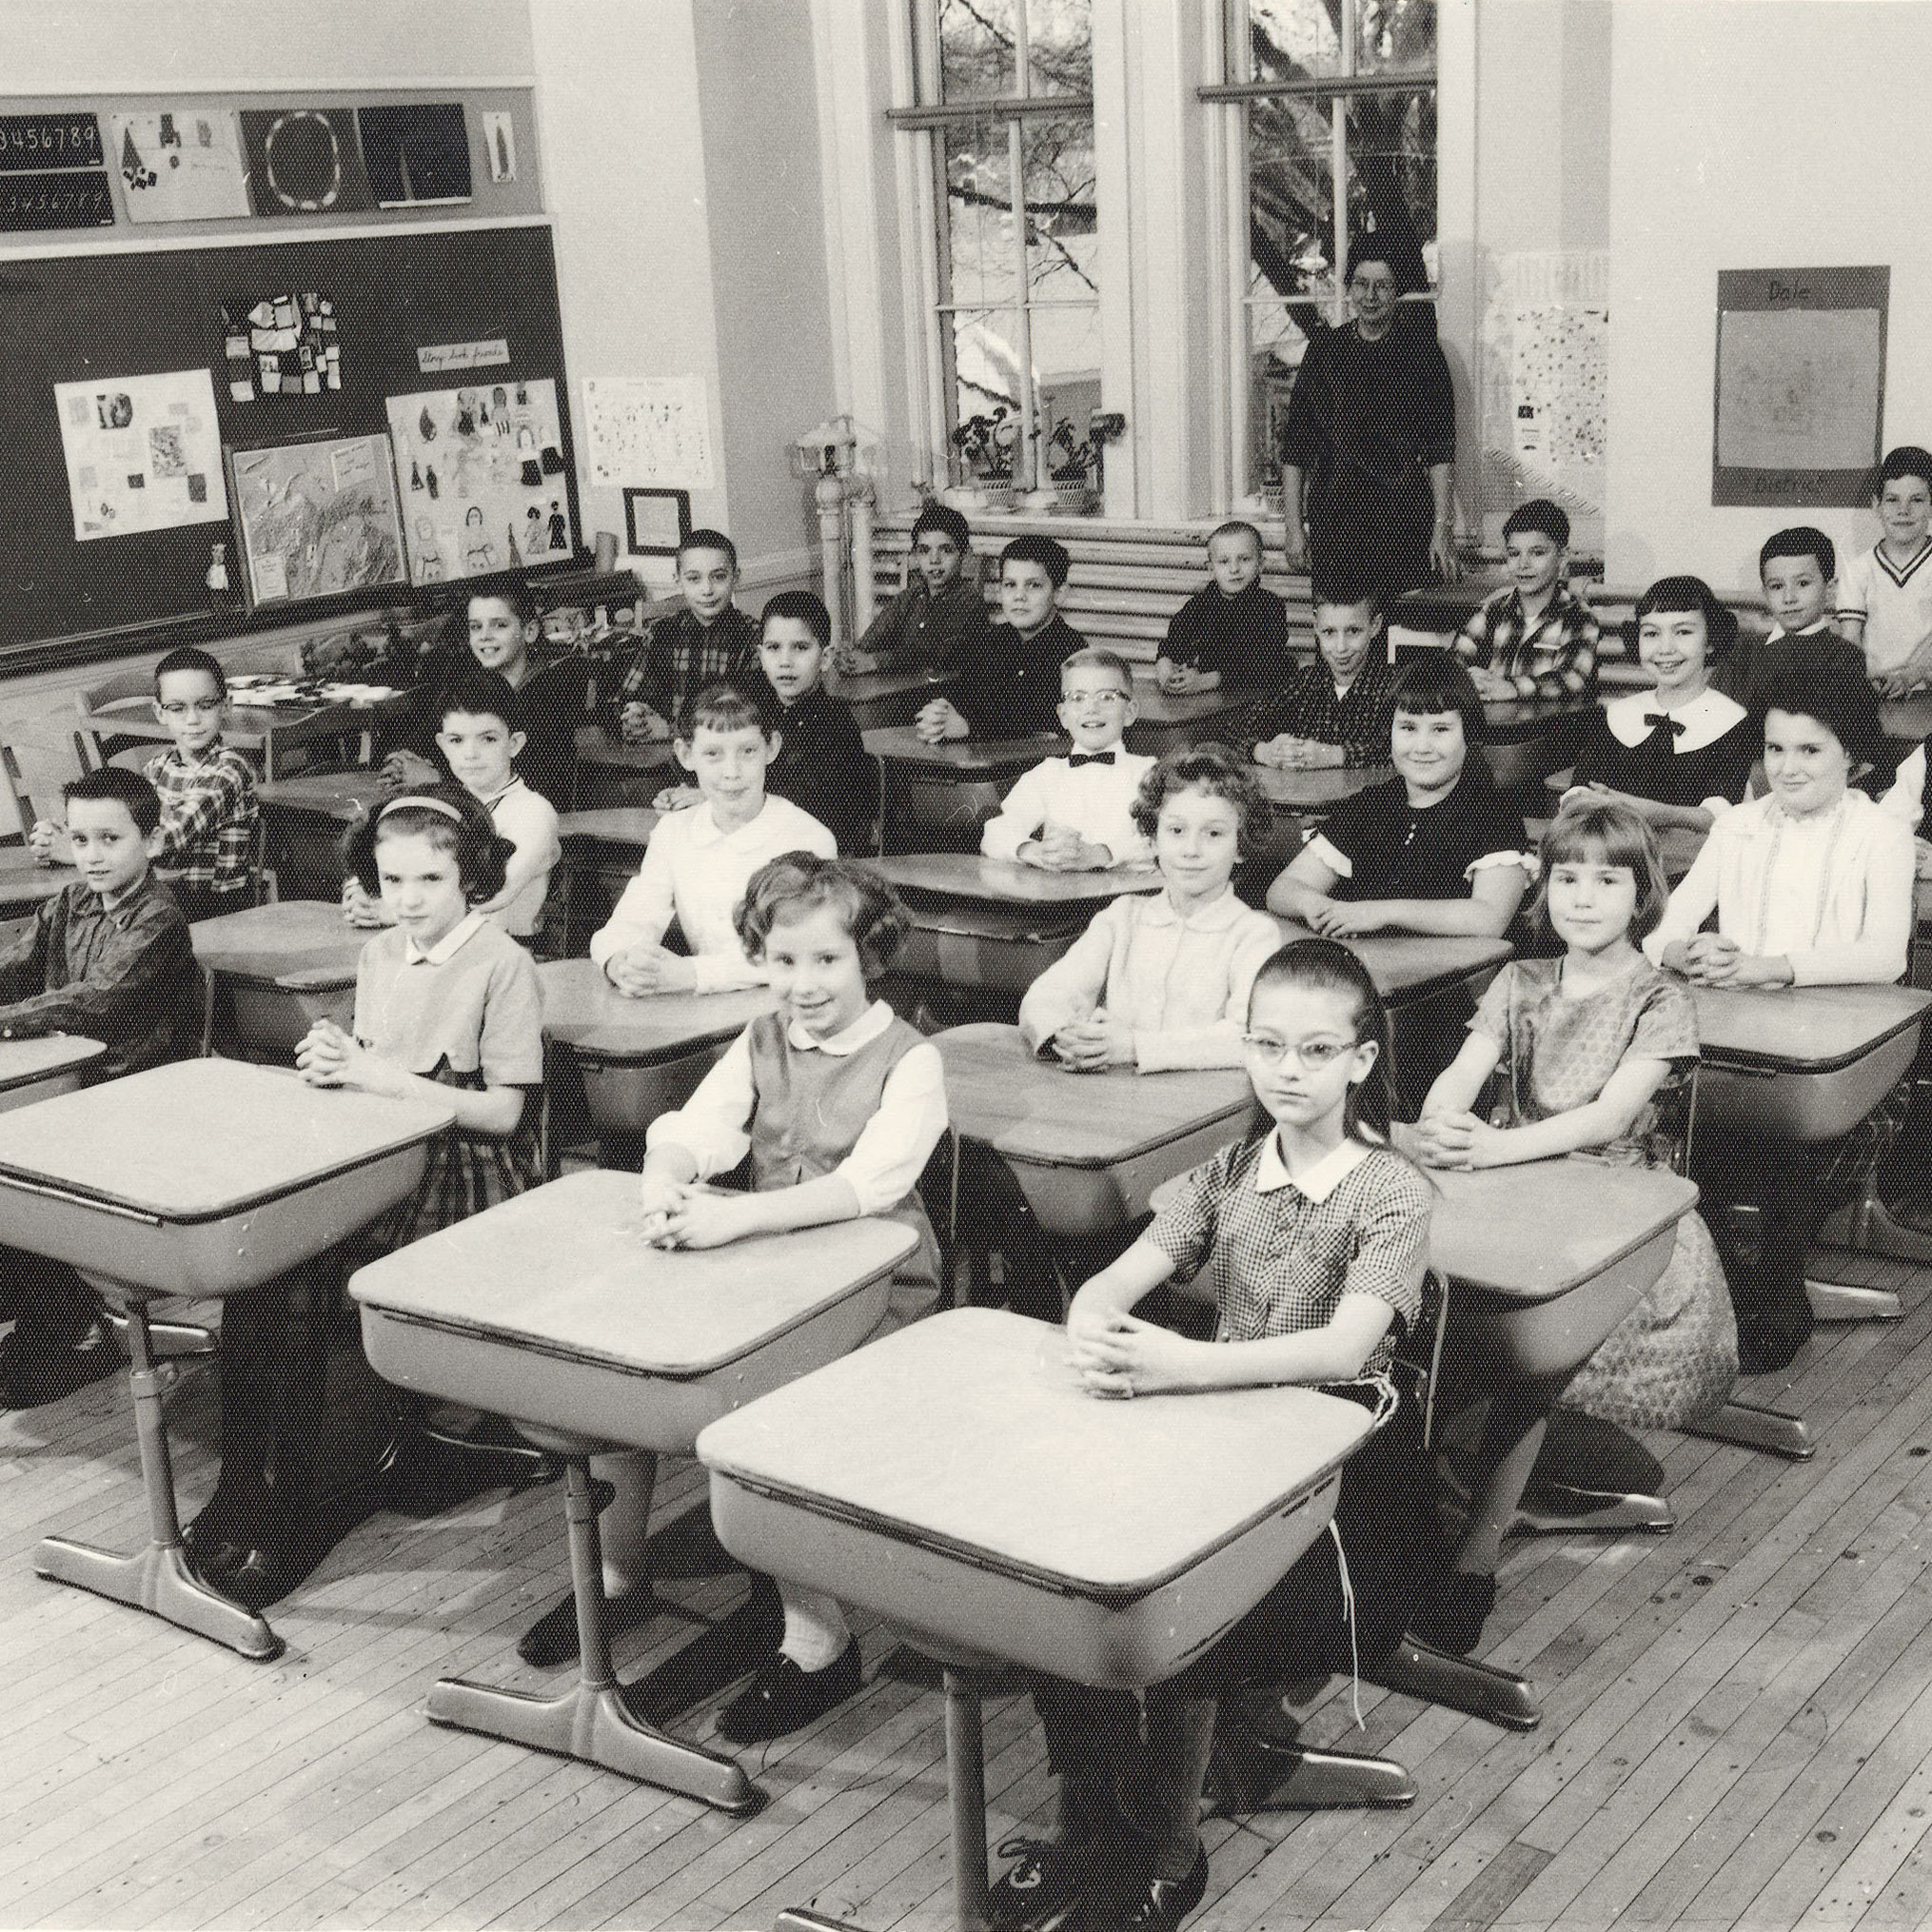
[429,478]
[560,527]
[500,143]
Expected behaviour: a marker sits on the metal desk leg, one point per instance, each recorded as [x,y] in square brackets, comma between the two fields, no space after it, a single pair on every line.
[1751,1426]
[1872,1232]
[1559,1509]
[1459,1684]
[591,1721]
[156,1579]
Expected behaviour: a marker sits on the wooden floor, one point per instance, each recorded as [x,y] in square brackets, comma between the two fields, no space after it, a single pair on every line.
[1737,1724]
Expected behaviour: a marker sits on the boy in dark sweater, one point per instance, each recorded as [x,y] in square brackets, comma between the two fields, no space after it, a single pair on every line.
[1013,690]
[938,620]
[1232,632]
[1798,568]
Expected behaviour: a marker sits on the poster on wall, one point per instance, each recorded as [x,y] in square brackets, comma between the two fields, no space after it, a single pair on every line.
[648,431]
[481,474]
[317,518]
[1798,412]
[182,164]
[304,161]
[143,453]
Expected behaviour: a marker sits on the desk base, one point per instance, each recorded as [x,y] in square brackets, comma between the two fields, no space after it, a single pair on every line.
[1459,1684]
[158,1580]
[1751,1426]
[1549,1513]
[1840,1301]
[1322,1781]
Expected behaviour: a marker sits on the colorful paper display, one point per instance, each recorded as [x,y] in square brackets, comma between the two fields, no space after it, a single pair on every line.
[282,345]
[143,453]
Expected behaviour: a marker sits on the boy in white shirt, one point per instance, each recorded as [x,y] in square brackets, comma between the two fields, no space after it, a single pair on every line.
[1885,597]
[1075,813]
[699,862]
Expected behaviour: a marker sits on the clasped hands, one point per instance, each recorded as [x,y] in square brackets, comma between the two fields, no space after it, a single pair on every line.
[639,724]
[1090,1046]
[1116,1354]
[1288,753]
[692,1214]
[327,1056]
[1060,848]
[1458,1140]
[640,971]
[1710,959]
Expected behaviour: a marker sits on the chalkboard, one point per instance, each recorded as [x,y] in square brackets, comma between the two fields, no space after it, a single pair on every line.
[67,317]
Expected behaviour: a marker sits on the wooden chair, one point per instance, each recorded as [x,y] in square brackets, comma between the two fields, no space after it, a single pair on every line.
[96,738]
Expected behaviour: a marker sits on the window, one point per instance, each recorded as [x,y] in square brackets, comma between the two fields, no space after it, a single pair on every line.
[1004,97]
[1338,103]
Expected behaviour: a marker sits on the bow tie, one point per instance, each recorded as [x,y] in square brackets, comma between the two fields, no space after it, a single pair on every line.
[1089,757]
[1663,720]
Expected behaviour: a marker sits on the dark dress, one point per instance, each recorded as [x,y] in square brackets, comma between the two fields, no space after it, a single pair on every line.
[1631,748]
[1367,422]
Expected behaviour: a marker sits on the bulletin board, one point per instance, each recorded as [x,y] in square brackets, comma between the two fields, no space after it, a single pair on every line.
[415,312]
[1799,403]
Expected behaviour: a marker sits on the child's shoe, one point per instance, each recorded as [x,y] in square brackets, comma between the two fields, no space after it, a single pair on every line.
[1149,1904]
[1046,1887]
[783,1699]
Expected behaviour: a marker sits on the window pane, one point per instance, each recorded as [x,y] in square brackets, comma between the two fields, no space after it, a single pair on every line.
[1391,178]
[983,379]
[981,261]
[1300,40]
[1277,335]
[1062,230]
[1395,36]
[977,44]
[1060,46]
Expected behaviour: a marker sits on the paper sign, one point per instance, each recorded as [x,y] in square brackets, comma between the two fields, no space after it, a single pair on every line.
[648,429]
[433,358]
[143,453]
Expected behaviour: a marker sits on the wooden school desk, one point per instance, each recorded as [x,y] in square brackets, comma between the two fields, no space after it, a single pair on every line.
[257,722]
[620,774]
[303,820]
[1298,801]
[284,967]
[1173,720]
[1104,1541]
[940,795]
[552,1310]
[603,850]
[882,697]
[197,1179]
[982,923]
[43,1069]
[1527,738]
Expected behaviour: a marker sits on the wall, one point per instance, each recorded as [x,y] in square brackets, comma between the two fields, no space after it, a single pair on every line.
[1725,157]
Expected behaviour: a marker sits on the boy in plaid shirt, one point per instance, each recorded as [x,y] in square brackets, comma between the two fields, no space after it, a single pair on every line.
[709,641]
[205,848]
[1536,640]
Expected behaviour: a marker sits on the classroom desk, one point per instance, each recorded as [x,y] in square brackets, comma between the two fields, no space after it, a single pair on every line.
[43,1069]
[640,1058]
[252,724]
[993,923]
[284,966]
[1527,738]
[603,850]
[883,697]
[1104,1541]
[1677,845]
[25,884]
[620,774]
[197,1179]
[552,1310]
[940,795]
[303,820]
[1909,719]
[1174,720]
[1298,801]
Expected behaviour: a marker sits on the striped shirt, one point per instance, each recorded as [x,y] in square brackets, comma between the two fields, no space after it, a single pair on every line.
[208,818]
[1554,657]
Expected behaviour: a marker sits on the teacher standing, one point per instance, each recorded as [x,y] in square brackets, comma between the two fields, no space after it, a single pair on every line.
[1372,434]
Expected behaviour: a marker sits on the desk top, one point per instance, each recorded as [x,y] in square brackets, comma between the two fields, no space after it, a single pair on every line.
[23,1062]
[565,1268]
[1153,706]
[1329,786]
[1801,1028]
[25,883]
[902,745]
[961,874]
[583,1009]
[1908,717]
[308,938]
[202,1139]
[610,825]
[869,687]
[251,717]
[1509,720]
[1533,1233]
[345,795]
[1407,966]
[595,748]
[968,1432]
[998,1092]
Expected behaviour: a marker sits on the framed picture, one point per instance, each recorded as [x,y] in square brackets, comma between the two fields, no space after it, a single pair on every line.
[656,522]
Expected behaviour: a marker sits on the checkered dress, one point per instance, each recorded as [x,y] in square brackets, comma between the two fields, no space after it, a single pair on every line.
[1280,1263]
[209,818]
[1557,658]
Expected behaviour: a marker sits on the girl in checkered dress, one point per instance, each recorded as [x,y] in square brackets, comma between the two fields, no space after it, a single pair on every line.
[1313,1238]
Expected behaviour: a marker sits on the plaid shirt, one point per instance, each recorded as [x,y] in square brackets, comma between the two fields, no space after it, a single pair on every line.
[208,817]
[1280,1260]
[1357,721]
[682,656]
[126,977]
[1556,659]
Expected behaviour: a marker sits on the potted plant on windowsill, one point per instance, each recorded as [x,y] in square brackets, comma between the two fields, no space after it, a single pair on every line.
[1069,463]
[986,446]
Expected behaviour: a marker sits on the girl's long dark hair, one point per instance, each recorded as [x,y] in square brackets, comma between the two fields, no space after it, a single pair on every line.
[1327,966]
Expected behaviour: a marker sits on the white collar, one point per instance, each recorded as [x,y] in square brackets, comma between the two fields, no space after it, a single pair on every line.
[1317,1182]
[861,1032]
[1706,719]
[446,948]
[1216,916]
[1778,631]
[705,830]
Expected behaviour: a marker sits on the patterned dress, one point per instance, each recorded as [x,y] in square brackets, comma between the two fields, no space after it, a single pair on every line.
[1674,1356]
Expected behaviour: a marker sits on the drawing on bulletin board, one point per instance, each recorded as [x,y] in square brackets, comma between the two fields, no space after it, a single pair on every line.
[303,161]
[143,453]
[280,346]
[1798,410]
[182,165]
[317,518]
[481,472]
[648,431]
[416,156]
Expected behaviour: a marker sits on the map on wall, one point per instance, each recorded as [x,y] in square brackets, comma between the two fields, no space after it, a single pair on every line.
[1800,385]
[317,518]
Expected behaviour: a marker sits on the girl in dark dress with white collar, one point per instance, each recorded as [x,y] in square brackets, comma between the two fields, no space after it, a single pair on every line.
[1680,754]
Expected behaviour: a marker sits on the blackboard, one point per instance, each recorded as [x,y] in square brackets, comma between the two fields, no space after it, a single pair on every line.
[65,318]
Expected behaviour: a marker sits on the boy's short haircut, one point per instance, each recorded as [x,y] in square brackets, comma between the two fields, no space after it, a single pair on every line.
[1372,249]
[1435,681]
[1237,526]
[190,657]
[1838,698]
[1672,594]
[709,540]
[1346,591]
[800,881]
[947,521]
[1907,460]
[803,607]
[1603,832]
[453,820]
[1099,657]
[1800,540]
[514,591]
[115,781]
[479,692]
[1047,552]
[1211,768]
[721,707]
[1540,515]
